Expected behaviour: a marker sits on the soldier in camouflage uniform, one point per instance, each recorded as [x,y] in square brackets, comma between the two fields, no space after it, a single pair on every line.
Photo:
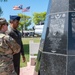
[8,47]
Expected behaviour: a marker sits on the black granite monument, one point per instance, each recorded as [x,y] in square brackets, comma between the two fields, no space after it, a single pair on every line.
[57,47]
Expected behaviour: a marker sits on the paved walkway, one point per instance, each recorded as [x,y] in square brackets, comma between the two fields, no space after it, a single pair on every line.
[28,70]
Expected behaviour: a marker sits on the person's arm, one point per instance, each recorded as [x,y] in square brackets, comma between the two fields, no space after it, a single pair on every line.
[12,44]
[22,52]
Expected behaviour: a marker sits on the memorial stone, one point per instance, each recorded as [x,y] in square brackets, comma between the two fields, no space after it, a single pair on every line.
[57,45]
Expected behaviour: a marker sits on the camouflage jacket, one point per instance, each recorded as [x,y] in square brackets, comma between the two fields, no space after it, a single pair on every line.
[8,47]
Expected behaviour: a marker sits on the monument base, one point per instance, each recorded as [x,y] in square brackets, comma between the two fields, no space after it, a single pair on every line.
[57,64]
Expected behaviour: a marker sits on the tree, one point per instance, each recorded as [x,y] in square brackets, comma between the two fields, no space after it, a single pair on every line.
[3,0]
[1,11]
[39,17]
[25,21]
[0,7]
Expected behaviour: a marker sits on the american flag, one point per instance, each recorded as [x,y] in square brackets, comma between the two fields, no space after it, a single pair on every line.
[18,7]
[26,9]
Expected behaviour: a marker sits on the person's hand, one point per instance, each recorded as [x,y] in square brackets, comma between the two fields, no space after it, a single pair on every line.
[23,58]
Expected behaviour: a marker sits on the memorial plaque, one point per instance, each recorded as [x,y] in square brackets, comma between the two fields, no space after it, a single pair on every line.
[56,34]
[71,38]
[57,46]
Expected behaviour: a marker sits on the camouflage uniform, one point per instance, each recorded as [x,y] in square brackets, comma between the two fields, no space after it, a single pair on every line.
[8,47]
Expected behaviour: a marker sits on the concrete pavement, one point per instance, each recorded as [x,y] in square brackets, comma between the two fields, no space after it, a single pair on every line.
[28,70]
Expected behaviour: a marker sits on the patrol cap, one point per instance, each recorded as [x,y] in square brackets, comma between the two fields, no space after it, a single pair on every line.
[14,17]
[3,21]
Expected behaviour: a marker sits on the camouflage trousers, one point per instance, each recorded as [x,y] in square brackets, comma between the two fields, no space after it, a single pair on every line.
[6,65]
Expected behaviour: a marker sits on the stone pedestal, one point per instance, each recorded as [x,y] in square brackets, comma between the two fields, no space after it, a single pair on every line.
[58,39]
[33,61]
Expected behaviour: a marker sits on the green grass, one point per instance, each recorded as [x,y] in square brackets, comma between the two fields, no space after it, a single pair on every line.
[26,49]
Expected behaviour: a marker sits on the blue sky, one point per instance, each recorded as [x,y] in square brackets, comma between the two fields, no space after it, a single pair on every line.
[35,6]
